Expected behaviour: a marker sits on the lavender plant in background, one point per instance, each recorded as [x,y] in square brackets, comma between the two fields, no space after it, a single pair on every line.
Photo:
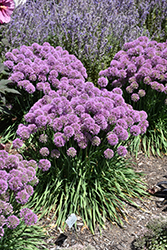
[17,178]
[91,30]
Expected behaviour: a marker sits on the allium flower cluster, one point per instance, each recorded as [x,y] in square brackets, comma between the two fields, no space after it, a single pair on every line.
[82,117]
[44,65]
[17,176]
[141,61]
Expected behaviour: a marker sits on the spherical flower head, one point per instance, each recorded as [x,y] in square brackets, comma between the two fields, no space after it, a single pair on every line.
[11,162]
[29,189]
[43,138]
[141,93]
[55,153]
[103,82]
[12,221]
[44,164]
[122,151]
[6,10]
[44,151]
[117,91]
[71,152]
[122,122]
[129,90]
[112,139]
[143,115]
[3,186]
[33,164]
[22,197]
[135,130]
[41,121]
[121,132]
[135,97]
[28,216]
[59,140]
[96,141]
[68,131]
[30,219]
[159,87]
[134,85]
[17,143]
[108,153]
[23,133]
[15,183]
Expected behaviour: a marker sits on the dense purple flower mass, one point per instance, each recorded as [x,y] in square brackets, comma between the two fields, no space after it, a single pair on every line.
[142,61]
[16,179]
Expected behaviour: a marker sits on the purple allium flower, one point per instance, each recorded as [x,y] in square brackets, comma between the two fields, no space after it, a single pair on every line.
[122,151]
[135,130]
[112,119]
[12,221]
[55,153]
[44,151]
[129,90]
[32,163]
[102,82]
[141,93]
[22,197]
[122,122]
[117,91]
[29,189]
[15,183]
[135,97]
[17,143]
[44,164]
[59,140]
[3,186]
[159,87]
[112,139]
[82,144]
[30,218]
[23,133]
[96,141]
[68,131]
[101,121]
[41,121]
[134,85]
[30,172]
[108,153]
[143,115]
[71,152]
[121,133]
[11,161]
[43,138]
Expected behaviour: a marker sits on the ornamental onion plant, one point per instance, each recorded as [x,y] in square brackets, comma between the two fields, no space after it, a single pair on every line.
[34,70]
[17,178]
[140,70]
[77,133]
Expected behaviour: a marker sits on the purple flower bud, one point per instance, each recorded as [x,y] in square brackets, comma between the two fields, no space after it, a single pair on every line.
[96,141]
[141,93]
[102,82]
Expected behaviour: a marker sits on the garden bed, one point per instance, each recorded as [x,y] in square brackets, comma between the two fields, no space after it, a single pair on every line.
[117,238]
